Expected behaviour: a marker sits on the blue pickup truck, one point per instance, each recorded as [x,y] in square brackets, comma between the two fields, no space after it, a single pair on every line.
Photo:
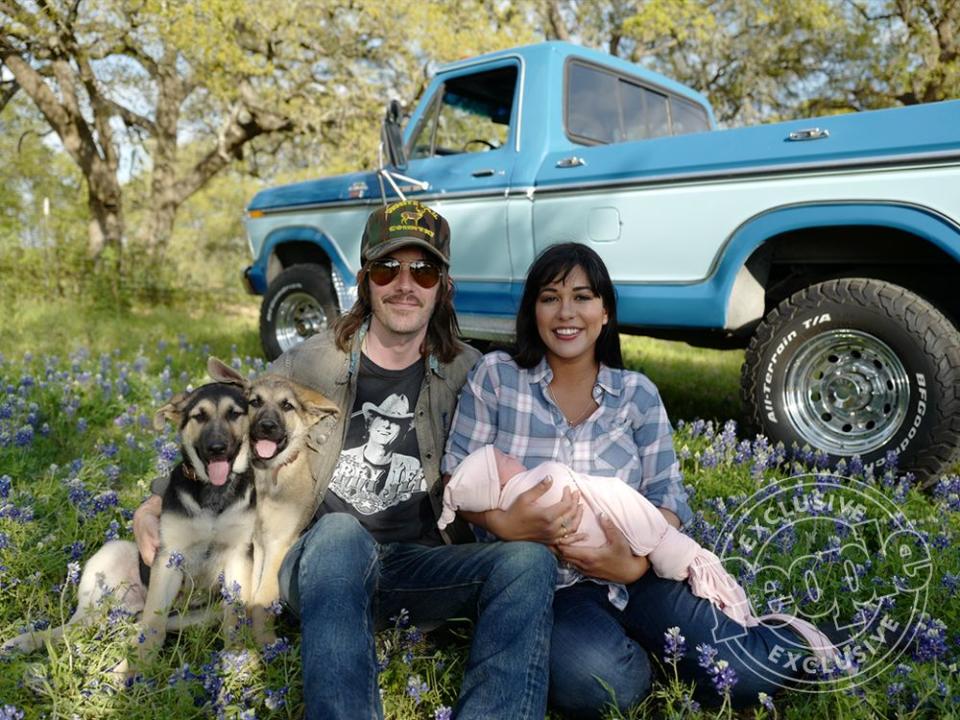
[828,248]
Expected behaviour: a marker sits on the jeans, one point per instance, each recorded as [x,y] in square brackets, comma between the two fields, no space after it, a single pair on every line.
[592,639]
[344,586]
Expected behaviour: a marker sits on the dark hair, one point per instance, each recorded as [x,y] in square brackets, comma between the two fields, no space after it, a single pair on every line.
[555,263]
[442,330]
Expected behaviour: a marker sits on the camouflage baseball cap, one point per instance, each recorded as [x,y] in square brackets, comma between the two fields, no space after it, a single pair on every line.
[405,224]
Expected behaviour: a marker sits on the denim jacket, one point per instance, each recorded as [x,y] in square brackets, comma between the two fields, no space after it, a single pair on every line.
[319,364]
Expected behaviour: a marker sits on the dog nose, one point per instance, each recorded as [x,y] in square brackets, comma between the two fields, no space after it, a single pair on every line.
[217,448]
[266,425]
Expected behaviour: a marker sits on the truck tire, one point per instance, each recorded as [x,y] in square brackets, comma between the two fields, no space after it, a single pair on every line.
[299,303]
[858,366]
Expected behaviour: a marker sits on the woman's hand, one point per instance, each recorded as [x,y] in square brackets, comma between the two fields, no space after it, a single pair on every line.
[524,520]
[613,561]
[146,527]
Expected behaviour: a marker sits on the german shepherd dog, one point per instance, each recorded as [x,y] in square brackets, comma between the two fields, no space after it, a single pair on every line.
[206,527]
[281,413]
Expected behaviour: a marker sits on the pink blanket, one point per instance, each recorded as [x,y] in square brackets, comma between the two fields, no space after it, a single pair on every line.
[475,487]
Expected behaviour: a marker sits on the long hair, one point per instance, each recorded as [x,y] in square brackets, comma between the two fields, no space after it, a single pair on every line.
[554,264]
[442,330]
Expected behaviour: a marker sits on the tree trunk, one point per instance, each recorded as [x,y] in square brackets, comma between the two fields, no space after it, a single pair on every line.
[106,227]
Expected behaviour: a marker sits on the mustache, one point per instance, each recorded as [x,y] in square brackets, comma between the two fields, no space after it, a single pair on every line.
[404,297]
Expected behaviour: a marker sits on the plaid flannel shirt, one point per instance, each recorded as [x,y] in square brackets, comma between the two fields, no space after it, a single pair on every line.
[628,436]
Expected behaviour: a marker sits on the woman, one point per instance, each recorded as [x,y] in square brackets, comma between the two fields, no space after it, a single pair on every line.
[565,396]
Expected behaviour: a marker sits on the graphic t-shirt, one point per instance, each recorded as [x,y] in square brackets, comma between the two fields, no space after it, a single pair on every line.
[378,478]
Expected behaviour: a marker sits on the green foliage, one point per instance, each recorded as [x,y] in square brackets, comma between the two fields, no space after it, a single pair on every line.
[778,59]
[91,441]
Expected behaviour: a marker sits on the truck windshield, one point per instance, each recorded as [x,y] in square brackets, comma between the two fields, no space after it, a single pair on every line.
[470,113]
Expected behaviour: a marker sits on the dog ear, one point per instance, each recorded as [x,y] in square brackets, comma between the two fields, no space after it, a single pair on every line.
[316,404]
[219,371]
[171,412]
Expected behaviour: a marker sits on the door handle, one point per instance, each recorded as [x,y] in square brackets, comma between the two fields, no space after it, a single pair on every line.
[485,172]
[570,162]
[808,134]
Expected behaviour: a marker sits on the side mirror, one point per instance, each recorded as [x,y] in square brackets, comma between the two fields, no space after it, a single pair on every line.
[392,136]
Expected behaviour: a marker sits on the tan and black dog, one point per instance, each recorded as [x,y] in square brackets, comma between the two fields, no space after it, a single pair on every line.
[206,528]
[282,413]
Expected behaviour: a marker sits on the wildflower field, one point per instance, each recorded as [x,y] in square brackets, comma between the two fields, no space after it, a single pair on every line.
[78,450]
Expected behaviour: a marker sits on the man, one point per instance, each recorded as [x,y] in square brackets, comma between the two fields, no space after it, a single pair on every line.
[357,566]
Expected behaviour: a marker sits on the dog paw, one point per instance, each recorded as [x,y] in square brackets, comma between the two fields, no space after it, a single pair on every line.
[122,674]
[264,637]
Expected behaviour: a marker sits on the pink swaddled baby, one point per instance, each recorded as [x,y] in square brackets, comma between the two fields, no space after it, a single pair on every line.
[488,479]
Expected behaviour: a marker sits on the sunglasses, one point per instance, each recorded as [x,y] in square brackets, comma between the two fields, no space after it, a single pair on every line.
[424,273]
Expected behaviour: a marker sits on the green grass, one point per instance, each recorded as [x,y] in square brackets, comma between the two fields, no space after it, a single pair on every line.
[87,415]
[60,327]
[693,382]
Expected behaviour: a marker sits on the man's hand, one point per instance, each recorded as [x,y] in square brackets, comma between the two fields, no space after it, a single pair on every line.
[612,561]
[146,527]
[524,520]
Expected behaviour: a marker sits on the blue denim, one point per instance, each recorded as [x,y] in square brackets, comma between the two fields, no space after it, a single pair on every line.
[344,586]
[592,639]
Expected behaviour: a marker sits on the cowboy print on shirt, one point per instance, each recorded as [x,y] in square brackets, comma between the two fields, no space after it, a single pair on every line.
[378,478]
[376,474]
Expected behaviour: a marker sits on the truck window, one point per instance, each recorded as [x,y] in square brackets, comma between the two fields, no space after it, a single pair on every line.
[603,107]
[644,112]
[593,111]
[470,113]
[687,117]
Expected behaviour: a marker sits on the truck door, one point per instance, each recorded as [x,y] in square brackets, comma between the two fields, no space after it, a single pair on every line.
[464,145]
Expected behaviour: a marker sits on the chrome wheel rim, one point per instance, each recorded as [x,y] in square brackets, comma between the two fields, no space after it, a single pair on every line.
[298,317]
[846,392]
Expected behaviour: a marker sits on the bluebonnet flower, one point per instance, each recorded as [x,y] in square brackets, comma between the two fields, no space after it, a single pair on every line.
[948,490]
[275,699]
[416,688]
[722,676]
[231,594]
[765,700]
[21,515]
[6,482]
[271,651]
[674,645]
[705,655]
[73,573]
[895,689]
[175,560]
[23,436]
[181,675]
[75,550]
[11,712]
[108,450]
[81,425]
[951,582]
[930,639]
[4,541]
[105,500]
[78,494]
[112,472]
[443,713]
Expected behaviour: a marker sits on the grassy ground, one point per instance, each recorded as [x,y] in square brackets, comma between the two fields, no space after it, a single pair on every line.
[77,393]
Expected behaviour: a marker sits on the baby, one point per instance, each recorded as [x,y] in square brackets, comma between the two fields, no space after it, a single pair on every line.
[489,479]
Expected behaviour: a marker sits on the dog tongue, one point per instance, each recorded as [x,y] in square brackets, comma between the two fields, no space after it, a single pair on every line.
[218,471]
[266,448]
